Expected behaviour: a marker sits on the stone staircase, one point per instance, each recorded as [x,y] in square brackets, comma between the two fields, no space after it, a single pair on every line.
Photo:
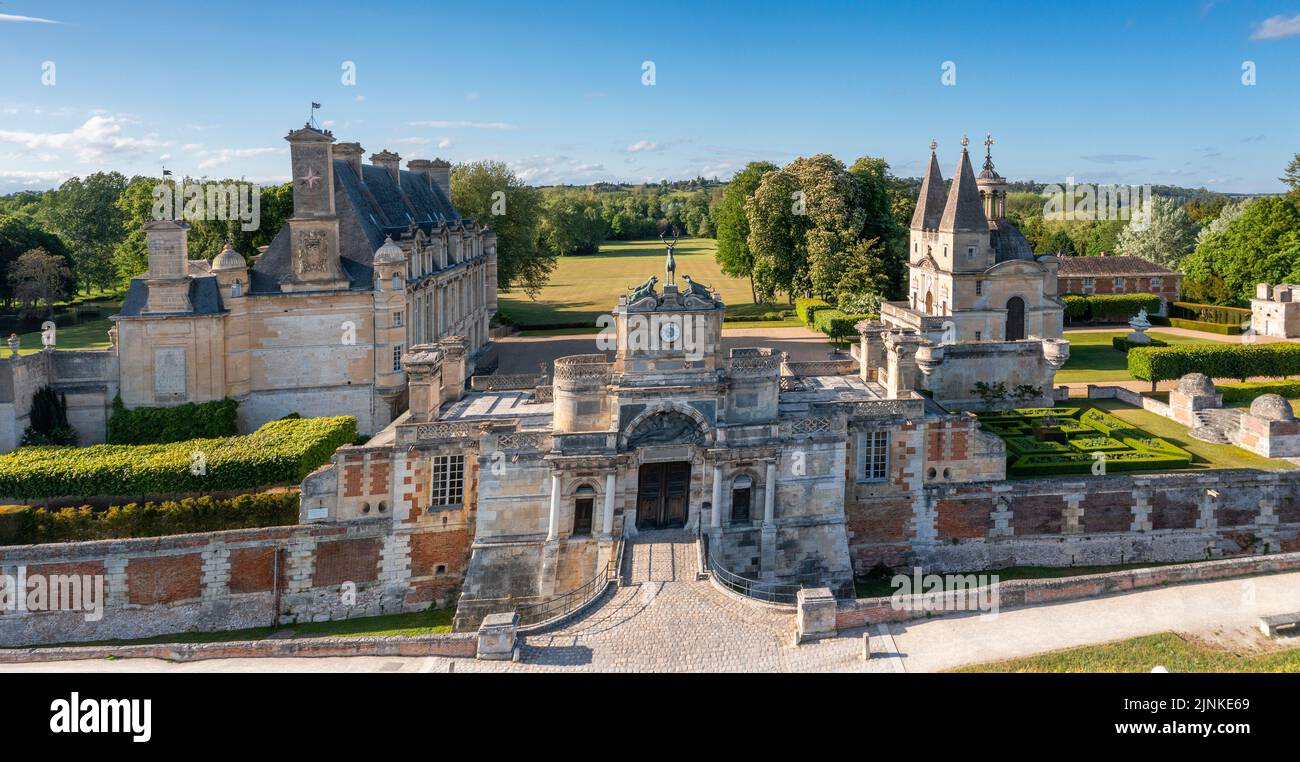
[1214,424]
[665,555]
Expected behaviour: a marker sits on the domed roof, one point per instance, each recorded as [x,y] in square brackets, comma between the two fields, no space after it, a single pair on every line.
[390,253]
[229,259]
[1272,407]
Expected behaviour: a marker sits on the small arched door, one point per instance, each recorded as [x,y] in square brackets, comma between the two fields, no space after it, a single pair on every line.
[1015,319]
[929,303]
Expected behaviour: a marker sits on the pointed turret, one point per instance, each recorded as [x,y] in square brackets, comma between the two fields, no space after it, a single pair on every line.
[929,205]
[962,213]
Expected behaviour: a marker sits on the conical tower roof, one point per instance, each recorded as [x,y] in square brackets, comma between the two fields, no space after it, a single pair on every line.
[963,212]
[929,205]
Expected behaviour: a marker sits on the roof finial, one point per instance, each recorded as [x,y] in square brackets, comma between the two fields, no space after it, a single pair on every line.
[934,144]
[988,151]
[965,141]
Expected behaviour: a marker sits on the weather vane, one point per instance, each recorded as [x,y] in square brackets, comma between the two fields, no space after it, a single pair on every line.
[934,144]
[965,141]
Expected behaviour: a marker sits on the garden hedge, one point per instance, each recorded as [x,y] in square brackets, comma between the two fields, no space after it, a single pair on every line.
[806,308]
[836,324]
[281,452]
[1126,448]
[1122,343]
[1208,313]
[1197,325]
[1238,394]
[1108,307]
[158,425]
[1216,360]
[30,525]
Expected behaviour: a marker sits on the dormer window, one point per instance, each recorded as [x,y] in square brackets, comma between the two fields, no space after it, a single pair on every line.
[237,288]
[970,251]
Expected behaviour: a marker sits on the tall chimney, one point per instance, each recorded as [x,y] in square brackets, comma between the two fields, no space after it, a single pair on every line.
[423,168]
[389,161]
[351,153]
[440,173]
[167,242]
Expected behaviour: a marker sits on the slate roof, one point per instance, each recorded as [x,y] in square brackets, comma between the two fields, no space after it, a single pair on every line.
[205,295]
[1108,266]
[963,213]
[369,208]
[1008,242]
[929,206]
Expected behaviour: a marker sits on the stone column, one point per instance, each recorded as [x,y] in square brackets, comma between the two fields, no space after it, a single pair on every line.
[607,520]
[553,523]
[716,519]
[769,496]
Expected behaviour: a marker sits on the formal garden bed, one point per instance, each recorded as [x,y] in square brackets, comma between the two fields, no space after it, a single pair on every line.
[1077,440]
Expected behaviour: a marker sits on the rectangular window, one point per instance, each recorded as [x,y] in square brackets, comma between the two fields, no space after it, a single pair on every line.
[1157,282]
[397,357]
[1117,284]
[979,335]
[397,319]
[979,287]
[873,456]
[448,484]
[1089,284]
[970,251]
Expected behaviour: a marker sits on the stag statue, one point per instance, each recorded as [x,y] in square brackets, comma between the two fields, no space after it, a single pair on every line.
[671,265]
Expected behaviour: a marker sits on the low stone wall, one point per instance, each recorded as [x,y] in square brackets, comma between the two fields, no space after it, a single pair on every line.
[450,644]
[868,611]
[1078,521]
[236,579]
[1128,396]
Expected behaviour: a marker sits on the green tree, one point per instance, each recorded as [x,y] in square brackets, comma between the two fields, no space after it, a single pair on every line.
[489,192]
[1163,234]
[130,256]
[732,224]
[84,213]
[571,224]
[1291,175]
[38,278]
[1260,245]
[20,234]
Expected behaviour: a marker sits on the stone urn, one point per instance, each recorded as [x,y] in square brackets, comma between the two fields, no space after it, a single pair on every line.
[929,357]
[1049,430]
[1056,352]
[1140,325]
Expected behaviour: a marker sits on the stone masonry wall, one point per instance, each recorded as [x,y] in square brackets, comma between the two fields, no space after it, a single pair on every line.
[1077,521]
[241,578]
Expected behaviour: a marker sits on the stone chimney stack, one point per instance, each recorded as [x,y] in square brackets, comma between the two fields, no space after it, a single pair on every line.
[453,367]
[167,242]
[422,167]
[440,173]
[351,153]
[423,364]
[389,161]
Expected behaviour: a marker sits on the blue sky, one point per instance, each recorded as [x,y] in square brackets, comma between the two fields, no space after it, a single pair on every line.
[1098,91]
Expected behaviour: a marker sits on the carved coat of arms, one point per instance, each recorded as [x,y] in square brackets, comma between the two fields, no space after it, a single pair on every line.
[311,251]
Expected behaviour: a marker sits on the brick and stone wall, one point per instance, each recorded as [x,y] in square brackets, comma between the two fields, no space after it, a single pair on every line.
[242,578]
[1078,521]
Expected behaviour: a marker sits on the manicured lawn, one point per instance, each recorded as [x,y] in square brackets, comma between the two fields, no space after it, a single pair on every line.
[92,334]
[1206,455]
[427,622]
[1093,359]
[878,586]
[1167,649]
[584,287]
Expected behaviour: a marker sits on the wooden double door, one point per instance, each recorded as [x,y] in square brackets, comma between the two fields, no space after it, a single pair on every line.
[663,491]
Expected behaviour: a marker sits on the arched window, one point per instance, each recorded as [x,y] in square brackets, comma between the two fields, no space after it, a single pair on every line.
[236,288]
[742,493]
[584,502]
[397,281]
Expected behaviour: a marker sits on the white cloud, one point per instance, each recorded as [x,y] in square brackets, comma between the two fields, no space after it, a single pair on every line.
[98,137]
[451,125]
[210,159]
[360,99]
[445,143]
[1277,27]
[642,145]
[549,170]
[27,19]
[413,141]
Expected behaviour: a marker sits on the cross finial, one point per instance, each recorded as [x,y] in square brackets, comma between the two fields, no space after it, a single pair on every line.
[934,144]
[988,144]
[965,141]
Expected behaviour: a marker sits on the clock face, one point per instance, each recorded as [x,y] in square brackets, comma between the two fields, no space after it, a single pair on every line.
[669,332]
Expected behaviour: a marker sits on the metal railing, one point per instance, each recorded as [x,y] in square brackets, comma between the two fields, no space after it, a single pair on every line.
[767,592]
[567,603]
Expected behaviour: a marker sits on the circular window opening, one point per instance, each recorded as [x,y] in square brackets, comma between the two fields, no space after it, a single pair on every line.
[365,507]
[382,506]
[932,473]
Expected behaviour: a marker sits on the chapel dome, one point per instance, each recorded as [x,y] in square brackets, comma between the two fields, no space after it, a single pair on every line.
[390,253]
[229,259]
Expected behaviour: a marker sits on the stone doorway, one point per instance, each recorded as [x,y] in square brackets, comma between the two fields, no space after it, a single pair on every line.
[1015,319]
[663,491]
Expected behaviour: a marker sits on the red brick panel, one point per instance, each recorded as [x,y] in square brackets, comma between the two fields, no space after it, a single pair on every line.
[252,570]
[164,579]
[879,520]
[353,475]
[1108,512]
[1288,509]
[1037,514]
[964,519]
[379,478]
[1174,511]
[1235,515]
[430,549]
[79,569]
[342,561]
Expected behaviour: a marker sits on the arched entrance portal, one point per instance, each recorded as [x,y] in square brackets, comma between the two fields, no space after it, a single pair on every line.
[1015,319]
[663,490]
[929,303]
